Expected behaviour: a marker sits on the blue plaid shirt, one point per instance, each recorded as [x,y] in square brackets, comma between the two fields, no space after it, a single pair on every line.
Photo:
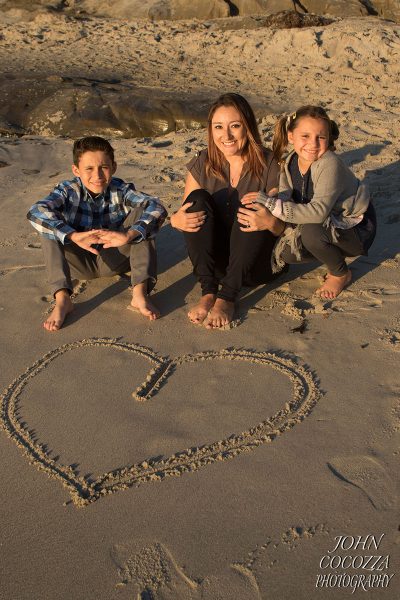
[71,208]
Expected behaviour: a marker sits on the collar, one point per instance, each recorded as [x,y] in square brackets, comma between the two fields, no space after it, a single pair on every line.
[87,195]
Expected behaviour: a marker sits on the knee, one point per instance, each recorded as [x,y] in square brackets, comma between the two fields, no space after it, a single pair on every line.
[313,236]
[201,200]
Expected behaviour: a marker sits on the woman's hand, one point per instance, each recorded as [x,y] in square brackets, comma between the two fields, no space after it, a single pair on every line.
[258,218]
[190,222]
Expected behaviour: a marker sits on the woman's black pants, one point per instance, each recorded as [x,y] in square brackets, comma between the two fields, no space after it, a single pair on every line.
[225,258]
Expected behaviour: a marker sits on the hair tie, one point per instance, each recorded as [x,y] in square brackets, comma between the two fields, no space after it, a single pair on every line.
[289,119]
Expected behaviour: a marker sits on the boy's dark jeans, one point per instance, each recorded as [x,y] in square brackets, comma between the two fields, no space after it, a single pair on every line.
[69,261]
[223,255]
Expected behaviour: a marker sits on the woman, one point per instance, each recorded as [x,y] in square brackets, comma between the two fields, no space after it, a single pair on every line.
[227,254]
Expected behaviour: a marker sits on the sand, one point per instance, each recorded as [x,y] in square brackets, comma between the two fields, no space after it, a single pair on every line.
[159,459]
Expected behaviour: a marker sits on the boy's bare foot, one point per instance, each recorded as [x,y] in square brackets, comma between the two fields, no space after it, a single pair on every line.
[220,315]
[141,302]
[199,311]
[62,308]
[333,285]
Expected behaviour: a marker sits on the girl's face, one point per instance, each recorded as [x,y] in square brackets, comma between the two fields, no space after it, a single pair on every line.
[228,131]
[310,140]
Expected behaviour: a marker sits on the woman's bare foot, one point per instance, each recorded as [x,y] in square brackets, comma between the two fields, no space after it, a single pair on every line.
[141,302]
[199,311]
[62,308]
[333,285]
[220,315]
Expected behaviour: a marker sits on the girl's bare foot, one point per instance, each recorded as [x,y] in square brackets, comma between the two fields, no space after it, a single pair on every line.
[199,311]
[333,285]
[220,315]
[141,302]
[62,308]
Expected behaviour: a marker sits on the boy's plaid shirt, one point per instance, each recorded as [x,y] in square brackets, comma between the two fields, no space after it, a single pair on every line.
[70,208]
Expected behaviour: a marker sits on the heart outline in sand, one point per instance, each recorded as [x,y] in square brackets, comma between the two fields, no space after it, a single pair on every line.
[83,492]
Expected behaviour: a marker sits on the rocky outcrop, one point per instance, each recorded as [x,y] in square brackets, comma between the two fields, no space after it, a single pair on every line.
[192,9]
[387,9]
[19,10]
[338,8]
[153,9]
[65,107]
[262,7]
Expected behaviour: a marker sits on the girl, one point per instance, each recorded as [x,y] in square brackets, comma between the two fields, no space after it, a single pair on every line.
[325,211]
[224,256]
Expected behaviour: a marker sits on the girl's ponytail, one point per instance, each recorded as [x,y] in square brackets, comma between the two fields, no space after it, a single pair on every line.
[280,139]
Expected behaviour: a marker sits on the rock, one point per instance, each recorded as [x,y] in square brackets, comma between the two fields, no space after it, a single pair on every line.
[118,9]
[387,9]
[195,9]
[262,7]
[153,9]
[77,107]
[336,8]
[10,129]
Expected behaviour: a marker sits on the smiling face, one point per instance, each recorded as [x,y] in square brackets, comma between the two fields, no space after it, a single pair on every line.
[228,131]
[310,140]
[95,170]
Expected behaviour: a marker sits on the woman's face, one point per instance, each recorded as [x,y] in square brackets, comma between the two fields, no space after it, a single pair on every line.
[310,139]
[228,131]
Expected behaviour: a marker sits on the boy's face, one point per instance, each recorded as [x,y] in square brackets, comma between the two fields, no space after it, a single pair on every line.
[95,170]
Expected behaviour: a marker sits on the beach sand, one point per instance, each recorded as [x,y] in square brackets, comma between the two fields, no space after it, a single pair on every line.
[160,460]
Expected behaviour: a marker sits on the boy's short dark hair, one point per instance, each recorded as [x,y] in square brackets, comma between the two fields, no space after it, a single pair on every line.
[91,143]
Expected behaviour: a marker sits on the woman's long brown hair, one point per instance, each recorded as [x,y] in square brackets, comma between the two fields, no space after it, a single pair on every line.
[253,149]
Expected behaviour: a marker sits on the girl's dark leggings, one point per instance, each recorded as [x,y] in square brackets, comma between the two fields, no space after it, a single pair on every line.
[318,243]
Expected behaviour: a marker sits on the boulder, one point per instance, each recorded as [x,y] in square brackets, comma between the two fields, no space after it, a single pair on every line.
[336,8]
[262,7]
[153,9]
[387,9]
[118,9]
[60,106]
[192,9]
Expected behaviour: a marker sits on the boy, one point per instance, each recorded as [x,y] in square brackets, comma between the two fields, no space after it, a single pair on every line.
[97,225]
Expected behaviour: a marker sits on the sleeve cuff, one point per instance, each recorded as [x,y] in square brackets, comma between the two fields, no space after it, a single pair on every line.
[140,230]
[267,201]
[61,234]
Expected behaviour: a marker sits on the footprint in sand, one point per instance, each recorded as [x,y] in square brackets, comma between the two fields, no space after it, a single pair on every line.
[30,171]
[370,476]
[392,338]
[153,573]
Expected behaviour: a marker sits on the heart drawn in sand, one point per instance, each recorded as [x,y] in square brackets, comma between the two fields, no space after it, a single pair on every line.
[83,492]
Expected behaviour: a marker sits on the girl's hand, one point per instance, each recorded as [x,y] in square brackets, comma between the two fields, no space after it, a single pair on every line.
[259,219]
[251,197]
[190,222]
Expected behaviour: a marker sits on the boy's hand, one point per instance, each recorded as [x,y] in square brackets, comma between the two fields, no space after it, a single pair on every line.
[85,239]
[115,239]
[190,222]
